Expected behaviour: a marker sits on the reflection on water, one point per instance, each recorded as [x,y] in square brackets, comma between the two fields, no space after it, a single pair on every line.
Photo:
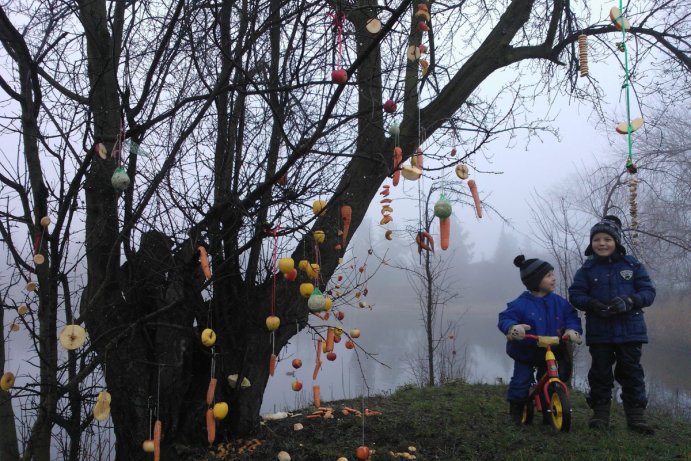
[393,336]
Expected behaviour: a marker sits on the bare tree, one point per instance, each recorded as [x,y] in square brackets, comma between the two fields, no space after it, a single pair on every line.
[225,121]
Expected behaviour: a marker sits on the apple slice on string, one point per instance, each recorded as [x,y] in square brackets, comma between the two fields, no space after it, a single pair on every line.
[618,19]
[623,127]
[72,337]
[373,26]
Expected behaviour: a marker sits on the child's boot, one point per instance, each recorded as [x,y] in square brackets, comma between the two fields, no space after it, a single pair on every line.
[516,411]
[600,418]
[635,420]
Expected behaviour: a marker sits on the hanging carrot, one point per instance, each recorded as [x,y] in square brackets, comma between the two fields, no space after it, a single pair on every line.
[317,396]
[272,364]
[397,160]
[211,391]
[318,362]
[476,197]
[330,339]
[157,440]
[204,262]
[210,426]
[346,215]
[444,232]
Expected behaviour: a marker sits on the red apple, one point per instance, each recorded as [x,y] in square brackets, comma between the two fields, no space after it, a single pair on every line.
[331,356]
[389,106]
[422,25]
[340,315]
[339,76]
[296,385]
[422,48]
[362,453]
[349,344]
[337,339]
[291,275]
[297,363]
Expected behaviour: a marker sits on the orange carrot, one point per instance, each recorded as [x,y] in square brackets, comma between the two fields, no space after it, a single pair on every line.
[317,366]
[444,232]
[210,391]
[204,262]
[330,338]
[272,364]
[210,426]
[476,197]
[157,440]
[316,392]
[397,160]
[313,416]
[346,214]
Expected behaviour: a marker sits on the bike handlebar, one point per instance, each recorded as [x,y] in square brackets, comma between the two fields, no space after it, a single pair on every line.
[545,340]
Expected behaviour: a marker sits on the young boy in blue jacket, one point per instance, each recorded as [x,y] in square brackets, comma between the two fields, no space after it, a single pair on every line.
[613,288]
[541,312]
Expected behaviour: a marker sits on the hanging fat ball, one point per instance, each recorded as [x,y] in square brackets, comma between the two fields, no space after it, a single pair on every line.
[442,209]
[394,129]
[583,54]
[316,301]
[45,221]
[120,180]
[72,337]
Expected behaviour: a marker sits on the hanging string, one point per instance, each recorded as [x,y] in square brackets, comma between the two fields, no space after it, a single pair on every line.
[158,393]
[338,20]
[151,417]
[622,22]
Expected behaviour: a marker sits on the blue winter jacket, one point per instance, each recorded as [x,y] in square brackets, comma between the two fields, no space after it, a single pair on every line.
[607,278]
[550,315]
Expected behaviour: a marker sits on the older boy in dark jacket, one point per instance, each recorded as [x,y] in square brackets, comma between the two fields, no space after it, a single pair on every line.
[541,312]
[613,288]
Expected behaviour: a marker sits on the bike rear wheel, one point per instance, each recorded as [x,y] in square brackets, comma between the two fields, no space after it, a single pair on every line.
[560,407]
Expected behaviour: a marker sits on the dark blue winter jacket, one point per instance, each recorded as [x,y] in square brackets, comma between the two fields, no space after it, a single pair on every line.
[550,315]
[604,279]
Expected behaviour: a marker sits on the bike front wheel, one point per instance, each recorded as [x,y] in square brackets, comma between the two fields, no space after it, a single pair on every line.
[560,407]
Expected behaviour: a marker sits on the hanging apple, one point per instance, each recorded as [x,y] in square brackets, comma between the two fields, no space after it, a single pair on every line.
[306,289]
[340,315]
[286,265]
[349,344]
[208,337]
[331,356]
[362,453]
[390,106]
[339,76]
[296,385]
[355,333]
[148,446]
[297,363]
[422,26]
[319,236]
[272,323]
[291,275]
[220,410]
[318,207]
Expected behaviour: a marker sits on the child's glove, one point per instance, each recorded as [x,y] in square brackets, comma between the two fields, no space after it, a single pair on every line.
[574,336]
[620,304]
[599,308]
[517,332]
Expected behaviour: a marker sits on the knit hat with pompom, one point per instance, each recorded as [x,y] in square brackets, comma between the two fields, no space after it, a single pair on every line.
[532,271]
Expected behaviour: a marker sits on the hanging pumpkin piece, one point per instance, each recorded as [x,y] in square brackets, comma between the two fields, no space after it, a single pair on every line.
[623,127]
[583,54]
[618,19]
[72,337]
[120,181]
[102,407]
